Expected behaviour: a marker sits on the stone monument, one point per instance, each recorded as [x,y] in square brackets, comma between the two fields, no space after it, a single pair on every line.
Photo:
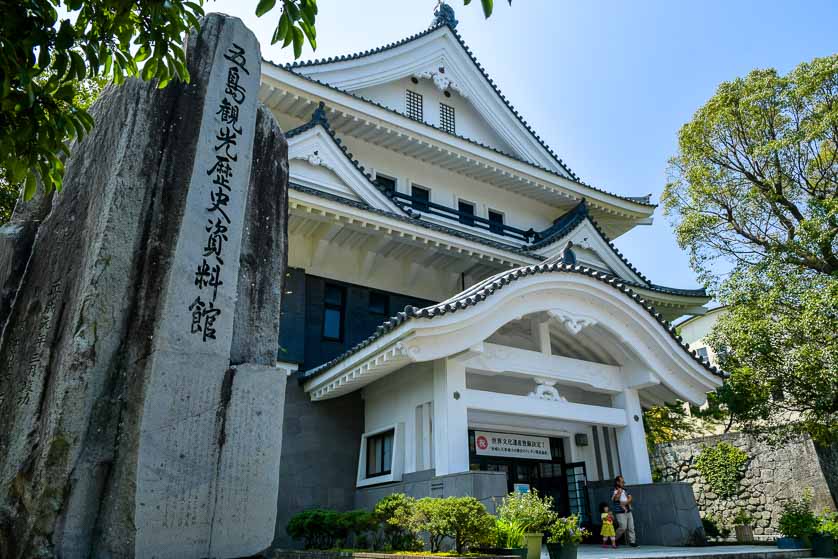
[141,402]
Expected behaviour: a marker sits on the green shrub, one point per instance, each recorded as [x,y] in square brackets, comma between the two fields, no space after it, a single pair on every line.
[828,524]
[723,467]
[357,525]
[566,531]
[742,518]
[798,520]
[528,510]
[508,534]
[463,519]
[396,514]
[317,528]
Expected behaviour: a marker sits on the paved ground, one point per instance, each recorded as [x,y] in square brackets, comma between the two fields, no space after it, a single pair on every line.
[709,552]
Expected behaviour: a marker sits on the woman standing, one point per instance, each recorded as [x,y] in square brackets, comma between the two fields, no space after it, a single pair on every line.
[622,506]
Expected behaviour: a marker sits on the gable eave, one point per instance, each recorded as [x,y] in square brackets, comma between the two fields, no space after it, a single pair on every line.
[278,79]
[476,75]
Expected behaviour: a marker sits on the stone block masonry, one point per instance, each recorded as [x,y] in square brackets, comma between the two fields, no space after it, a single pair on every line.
[772,476]
[141,400]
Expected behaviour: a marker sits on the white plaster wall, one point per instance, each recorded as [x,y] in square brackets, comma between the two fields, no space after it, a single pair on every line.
[523,386]
[345,264]
[469,123]
[394,398]
[447,187]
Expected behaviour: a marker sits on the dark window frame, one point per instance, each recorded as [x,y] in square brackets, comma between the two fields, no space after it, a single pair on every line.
[447,118]
[390,188]
[466,218]
[371,443]
[386,299]
[414,105]
[496,226]
[417,203]
[340,308]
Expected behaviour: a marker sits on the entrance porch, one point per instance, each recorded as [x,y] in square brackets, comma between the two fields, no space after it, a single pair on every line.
[539,375]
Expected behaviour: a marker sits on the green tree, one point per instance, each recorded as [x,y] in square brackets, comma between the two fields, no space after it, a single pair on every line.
[85,92]
[753,200]
[43,56]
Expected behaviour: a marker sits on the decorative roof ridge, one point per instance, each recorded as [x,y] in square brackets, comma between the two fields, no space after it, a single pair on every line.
[318,117]
[484,289]
[416,221]
[634,199]
[438,24]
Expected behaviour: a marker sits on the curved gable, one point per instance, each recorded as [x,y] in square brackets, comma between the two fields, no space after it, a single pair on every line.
[439,56]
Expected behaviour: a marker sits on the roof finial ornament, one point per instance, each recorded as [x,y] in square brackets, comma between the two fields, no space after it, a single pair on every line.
[319,114]
[444,15]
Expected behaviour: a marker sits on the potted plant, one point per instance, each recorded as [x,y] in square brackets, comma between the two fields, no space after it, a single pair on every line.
[533,513]
[565,537]
[507,539]
[797,523]
[823,540]
[743,524]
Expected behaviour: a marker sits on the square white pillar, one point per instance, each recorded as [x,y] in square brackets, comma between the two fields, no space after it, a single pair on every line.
[631,439]
[450,428]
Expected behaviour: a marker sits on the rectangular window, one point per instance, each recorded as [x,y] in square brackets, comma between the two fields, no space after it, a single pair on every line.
[702,352]
[413,105]
[379,303]
[421,197]
[495,222]
[387,183]
[466,212]
[333,311]
[380,454]
[446,118]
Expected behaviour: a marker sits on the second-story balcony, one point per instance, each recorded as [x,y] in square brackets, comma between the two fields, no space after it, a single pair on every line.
[425,206]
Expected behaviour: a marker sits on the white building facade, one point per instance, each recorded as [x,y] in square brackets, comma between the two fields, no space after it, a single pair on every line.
[455,304]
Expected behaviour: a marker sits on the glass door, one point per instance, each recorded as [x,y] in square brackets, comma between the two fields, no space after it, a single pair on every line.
[577,494]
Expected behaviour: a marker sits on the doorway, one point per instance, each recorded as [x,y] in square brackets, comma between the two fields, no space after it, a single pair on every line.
[564,482]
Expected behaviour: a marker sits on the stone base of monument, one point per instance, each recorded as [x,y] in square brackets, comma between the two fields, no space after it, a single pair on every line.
[142,406]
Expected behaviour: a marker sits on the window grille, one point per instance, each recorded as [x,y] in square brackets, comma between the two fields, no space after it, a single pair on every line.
[387,183]
[446,118]
[333,312]
[413,105]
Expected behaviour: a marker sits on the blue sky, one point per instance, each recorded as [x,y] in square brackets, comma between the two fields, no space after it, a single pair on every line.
[606,83]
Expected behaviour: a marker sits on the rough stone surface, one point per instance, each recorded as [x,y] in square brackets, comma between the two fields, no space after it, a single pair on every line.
[664,513]
[120,429]
[771,478]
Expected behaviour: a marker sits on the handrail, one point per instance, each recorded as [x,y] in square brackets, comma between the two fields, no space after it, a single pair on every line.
[466,218]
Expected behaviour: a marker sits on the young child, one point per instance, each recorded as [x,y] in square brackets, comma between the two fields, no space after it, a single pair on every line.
[607,531]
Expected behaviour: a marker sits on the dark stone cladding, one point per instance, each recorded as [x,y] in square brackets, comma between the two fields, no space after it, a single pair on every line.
[482,290]
[643,200]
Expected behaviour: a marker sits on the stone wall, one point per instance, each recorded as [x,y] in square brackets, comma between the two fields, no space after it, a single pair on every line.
[772,476]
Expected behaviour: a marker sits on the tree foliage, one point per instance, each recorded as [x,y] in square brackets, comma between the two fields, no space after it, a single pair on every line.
[753,195]
[723,467]
[44,55]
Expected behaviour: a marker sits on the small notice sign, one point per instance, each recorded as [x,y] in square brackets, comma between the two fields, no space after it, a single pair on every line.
[511,446]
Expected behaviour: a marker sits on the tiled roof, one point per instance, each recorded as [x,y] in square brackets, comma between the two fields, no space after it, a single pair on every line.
[482,290]
[414,221]
[561,227]
[644,200]
[318,117]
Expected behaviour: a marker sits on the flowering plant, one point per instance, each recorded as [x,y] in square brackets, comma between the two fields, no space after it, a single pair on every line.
[567,531]
[528,510]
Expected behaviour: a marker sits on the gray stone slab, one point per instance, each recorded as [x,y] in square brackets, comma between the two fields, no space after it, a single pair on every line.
[132,428]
